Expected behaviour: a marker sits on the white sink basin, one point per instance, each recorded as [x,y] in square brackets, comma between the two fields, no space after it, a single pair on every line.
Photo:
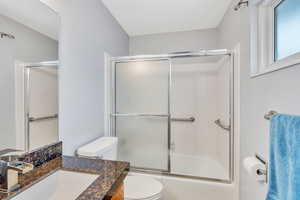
[60,185]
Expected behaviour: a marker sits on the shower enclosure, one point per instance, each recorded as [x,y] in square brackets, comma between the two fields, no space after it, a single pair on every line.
[173,113]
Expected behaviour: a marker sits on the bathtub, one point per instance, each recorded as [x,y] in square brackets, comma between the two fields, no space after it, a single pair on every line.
[180,188]
[184,188]
[199,166]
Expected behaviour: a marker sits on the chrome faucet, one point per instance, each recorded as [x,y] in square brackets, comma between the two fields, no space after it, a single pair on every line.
[10,168]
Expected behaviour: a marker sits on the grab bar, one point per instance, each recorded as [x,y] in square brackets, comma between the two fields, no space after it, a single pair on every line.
[190,119]
[34,119]
[262,172]
[219,123]
[139,115]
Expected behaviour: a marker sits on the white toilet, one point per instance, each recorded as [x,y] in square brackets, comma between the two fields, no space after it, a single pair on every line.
[137,187]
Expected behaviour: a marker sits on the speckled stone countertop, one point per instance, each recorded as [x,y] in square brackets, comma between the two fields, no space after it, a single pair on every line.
[110,174]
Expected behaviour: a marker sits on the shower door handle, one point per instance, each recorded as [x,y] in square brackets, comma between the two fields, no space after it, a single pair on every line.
[190,119]
[222,126]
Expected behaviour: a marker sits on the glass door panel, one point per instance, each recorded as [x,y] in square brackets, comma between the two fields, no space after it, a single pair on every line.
[142,87]
[142,113]
[200,89]
[143,141]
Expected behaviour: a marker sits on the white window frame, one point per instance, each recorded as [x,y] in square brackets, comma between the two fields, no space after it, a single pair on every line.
[263,39]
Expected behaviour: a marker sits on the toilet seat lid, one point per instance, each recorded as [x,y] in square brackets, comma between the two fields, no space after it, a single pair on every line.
[141,187]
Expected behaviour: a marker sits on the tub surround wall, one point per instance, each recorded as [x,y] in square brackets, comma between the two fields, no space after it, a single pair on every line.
[49,159]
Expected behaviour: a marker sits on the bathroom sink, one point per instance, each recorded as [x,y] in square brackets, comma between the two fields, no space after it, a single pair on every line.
[59,185]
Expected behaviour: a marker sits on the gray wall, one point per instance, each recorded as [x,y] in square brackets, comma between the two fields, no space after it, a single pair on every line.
[29,46]
[173,42]
[278,90]
[87,31]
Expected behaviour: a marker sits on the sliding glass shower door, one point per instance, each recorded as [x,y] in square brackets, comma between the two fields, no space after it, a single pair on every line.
[173,114]
[201,91]
[142,113]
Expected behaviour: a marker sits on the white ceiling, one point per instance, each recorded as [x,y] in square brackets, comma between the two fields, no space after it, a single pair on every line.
[139,17]
[32,13]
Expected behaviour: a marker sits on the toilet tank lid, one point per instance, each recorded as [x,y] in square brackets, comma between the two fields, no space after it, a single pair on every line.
[98,147]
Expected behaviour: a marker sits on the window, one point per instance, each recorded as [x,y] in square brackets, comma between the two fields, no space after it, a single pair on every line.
[275,35]
[287,29]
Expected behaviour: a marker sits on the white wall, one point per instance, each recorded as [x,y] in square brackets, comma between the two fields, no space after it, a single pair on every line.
[173,42]
[87,31]
[277,91]
[29,46]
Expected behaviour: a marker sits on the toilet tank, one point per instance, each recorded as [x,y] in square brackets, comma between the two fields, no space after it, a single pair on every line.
[104,148]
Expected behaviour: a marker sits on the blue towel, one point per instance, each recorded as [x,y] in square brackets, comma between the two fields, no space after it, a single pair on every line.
[284,166]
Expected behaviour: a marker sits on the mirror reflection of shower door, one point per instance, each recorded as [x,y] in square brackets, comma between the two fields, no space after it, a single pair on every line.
[142,113]
[43,103]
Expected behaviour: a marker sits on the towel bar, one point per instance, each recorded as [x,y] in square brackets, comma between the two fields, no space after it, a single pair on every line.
[261,172]
[270,114]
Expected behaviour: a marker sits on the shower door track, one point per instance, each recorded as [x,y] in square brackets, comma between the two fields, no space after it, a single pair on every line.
[201,53]
[168,57]
[167,173]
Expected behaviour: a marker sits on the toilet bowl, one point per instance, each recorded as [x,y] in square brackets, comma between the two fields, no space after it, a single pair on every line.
[136,187]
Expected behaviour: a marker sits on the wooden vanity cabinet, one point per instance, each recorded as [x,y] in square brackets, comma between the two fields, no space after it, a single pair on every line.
[117,193]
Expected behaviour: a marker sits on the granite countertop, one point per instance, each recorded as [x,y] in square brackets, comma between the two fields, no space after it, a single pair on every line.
[110,174]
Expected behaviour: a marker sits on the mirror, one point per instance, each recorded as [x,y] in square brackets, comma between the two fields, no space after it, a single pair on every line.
[28,75]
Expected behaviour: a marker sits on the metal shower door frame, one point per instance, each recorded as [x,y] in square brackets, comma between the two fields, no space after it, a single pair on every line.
[169,57]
